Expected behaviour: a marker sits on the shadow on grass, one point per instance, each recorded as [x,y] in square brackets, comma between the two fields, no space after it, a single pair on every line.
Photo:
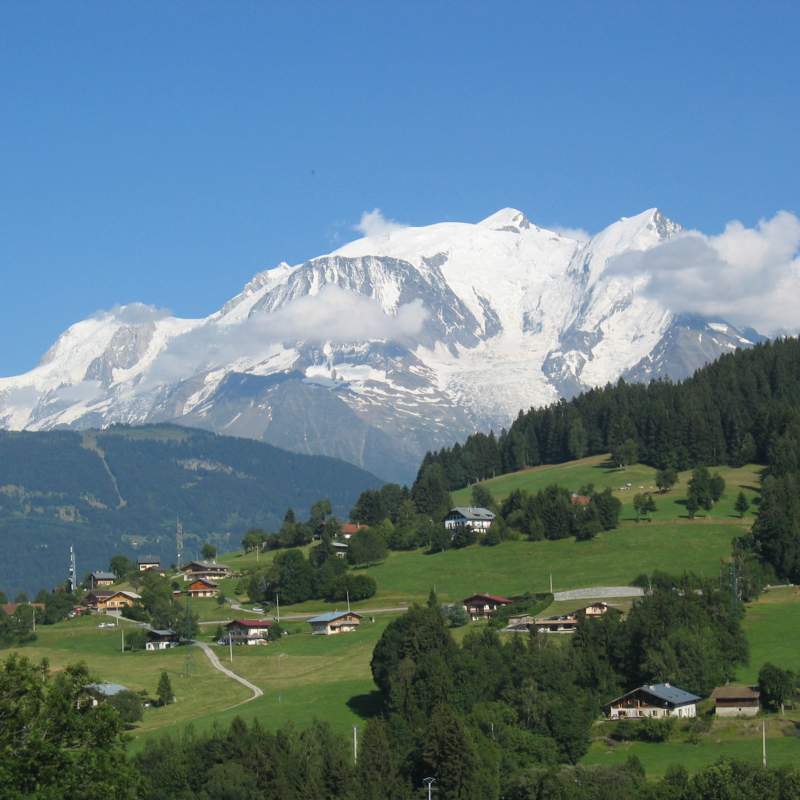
[366,706]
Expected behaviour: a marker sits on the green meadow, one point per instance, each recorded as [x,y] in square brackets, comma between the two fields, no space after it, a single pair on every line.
[303,676]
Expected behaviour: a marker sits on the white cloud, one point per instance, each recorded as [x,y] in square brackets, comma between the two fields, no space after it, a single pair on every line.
[332,315]
[374,226]
[134,313]
[579,234]
[748,276]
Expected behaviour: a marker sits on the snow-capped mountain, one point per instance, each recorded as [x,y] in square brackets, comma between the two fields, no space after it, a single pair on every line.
[390,346]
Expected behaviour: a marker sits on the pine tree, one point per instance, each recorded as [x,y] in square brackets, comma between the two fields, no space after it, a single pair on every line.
[164,690]
[742,505]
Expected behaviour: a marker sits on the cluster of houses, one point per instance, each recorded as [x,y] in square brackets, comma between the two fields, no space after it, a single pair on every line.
[658,701]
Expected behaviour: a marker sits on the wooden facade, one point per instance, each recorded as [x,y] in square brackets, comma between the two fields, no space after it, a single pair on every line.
[479,606]
[658,700]
[736,701]
[335,622]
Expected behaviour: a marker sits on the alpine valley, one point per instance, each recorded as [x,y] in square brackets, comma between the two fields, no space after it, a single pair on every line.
[395,344]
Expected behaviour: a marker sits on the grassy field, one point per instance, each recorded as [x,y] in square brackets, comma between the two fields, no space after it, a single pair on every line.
[603,474]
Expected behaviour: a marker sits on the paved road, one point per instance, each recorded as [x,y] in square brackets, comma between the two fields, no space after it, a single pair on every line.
[212,657]
[254,614]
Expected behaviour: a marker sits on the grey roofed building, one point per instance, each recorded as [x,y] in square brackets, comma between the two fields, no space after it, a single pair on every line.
[480,518]
[108,689]
[104,576]
[655,700]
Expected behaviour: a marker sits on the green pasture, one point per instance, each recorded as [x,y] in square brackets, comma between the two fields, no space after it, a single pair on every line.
[600,471]
[327,677]
[771,625]
[80,639]
[734,738]
[512,568]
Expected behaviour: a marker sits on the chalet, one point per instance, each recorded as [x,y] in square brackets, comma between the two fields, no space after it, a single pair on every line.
[335,622]
[209,570]
[161,640]
[109,600]
[248,631]
[101,579]
[480,519]
[479,606]
[569,622]
[579,499]
[736,701]
[657,700]
[353,527]
[148,562]
[203,588]
[340,548]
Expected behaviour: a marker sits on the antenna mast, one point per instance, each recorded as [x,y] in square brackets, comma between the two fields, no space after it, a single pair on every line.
[179,541]
[73,573]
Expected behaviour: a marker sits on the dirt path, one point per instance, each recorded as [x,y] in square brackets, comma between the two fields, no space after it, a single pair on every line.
[212,657]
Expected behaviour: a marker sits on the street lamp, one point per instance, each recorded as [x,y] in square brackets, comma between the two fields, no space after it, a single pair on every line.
[429,783]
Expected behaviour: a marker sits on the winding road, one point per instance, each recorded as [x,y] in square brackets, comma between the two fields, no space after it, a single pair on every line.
[212,657]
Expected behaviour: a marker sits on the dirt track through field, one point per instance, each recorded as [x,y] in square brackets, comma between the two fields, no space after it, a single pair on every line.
[212,657]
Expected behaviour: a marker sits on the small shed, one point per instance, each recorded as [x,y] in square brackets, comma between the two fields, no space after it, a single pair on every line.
[335,622]
[736,701]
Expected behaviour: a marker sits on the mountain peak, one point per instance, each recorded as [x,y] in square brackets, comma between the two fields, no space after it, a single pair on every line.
[507,219]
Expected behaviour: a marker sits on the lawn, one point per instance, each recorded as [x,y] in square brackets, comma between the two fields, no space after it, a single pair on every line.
[603,474]
[512,568]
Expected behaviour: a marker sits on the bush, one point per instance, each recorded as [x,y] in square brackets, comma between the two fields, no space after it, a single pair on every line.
[457,616]
[128,705]
[360,587]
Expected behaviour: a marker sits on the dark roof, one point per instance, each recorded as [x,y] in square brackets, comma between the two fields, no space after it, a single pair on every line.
[162,633]
[735,693]
[664,692]
[102,593]
[491,597]
[206,581]
[147,560]
[472,513]
[205,565]
[250,623]
[104,576]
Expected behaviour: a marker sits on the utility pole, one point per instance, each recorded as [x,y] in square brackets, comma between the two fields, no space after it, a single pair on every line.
[551,583]
[429,782]
[34,620]
[355,744]
[764,741]
[348,602]
[122,631]
[179,541]
[278,605]
[230,644]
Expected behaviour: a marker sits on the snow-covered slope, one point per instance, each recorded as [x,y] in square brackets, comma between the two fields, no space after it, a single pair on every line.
[337,356]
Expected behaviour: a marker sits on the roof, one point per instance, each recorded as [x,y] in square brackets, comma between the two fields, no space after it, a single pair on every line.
[162,633]
[103,594]
[11,608]
[108,689]
[250,623]
[491,597]
[104,576]
[147,560]
[735,693]
[665,692]
[351,527]
[124,593]
[331,616]
[206,581]
[205,565]
[472,513]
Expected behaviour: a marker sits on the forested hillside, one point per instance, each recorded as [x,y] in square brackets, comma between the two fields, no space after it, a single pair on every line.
[122,490]
[744,407]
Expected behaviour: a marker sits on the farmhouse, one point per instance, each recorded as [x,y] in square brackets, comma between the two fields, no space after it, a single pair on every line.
[148,562]
[11,608]
[736,701]
[657,700]
[161,640]
[569,622]
[209,570]
[203,588]
[248,631]
[109,600]
[335,622]
[101,579]
[480,519]
[349,528]
[479,606]
[102,691]
[340,548]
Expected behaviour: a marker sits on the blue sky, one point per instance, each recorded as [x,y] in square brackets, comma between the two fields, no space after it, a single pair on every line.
[164,152]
